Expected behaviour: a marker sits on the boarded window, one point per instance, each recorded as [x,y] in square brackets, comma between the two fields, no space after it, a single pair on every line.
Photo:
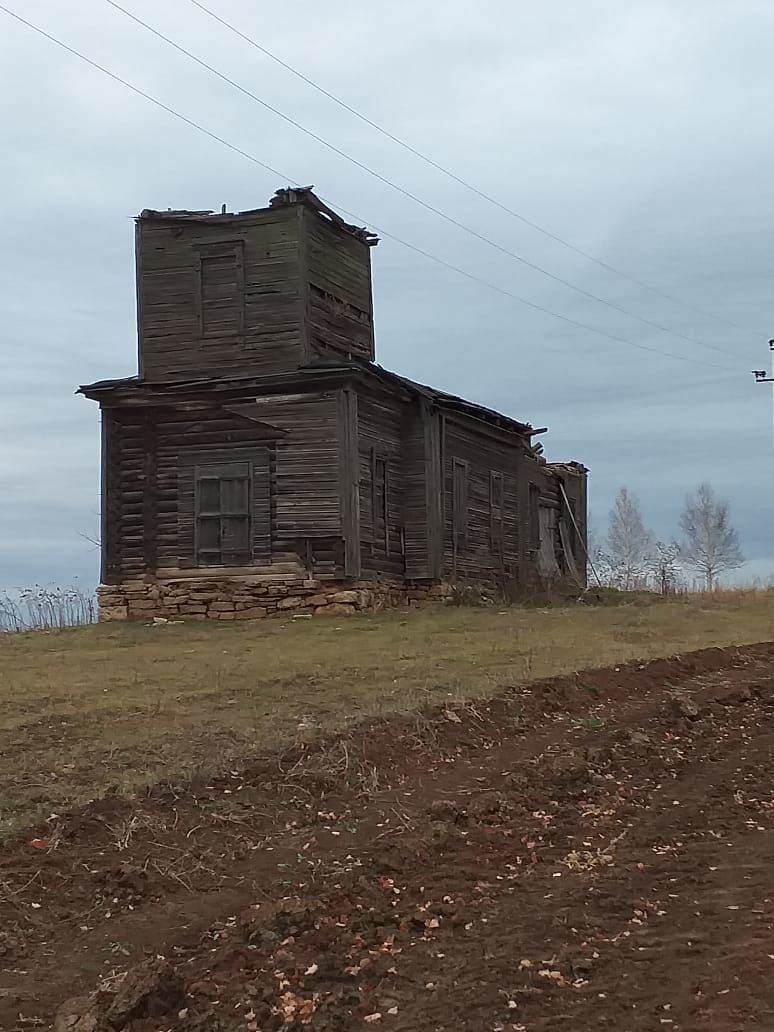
[460,504]
[496,531]
[379,501]
[222,497]
[221,291]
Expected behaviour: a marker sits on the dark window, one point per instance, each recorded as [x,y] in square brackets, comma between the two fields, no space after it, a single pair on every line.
[496,513]
[379,500]
[460,504]
[534,517]
[221,291]
[223,514]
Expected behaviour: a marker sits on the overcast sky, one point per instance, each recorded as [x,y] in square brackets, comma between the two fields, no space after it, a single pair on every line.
[639,131]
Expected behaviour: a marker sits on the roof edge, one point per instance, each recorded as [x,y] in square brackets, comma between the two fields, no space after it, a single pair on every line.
[286,197]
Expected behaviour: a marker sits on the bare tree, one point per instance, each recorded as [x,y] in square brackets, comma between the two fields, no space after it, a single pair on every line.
[629,544]
[663,566]
[710,543]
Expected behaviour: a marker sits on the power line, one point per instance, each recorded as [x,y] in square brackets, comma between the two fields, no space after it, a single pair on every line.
[413,247]
[458,179]
[407,193]
[138,91]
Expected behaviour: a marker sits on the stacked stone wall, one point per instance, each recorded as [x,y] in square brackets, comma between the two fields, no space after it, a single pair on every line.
[253,598]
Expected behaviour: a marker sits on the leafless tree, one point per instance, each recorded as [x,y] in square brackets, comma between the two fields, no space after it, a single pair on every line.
[710,543]
[629,544]
[663,566]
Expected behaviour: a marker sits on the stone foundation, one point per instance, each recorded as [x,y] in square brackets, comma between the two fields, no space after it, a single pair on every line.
[253,598]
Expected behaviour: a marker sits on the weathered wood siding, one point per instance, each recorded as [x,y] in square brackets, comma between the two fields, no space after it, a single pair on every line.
[575,486]
[151,461]
[478,454]
[340,307]
[219,297]
[422,493]
[382,473]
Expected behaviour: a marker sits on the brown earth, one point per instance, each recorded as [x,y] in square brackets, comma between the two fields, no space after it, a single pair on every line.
[591,852]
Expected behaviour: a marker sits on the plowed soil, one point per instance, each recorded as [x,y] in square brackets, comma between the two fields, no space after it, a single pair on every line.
[595,852]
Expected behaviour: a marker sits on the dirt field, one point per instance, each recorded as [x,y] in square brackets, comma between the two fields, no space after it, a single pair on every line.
[88,710]
[593,852]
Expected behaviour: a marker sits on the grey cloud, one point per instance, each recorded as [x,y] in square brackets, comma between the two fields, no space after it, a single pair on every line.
[636,130]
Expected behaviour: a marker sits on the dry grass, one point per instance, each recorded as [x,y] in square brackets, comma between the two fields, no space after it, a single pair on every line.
[89,709]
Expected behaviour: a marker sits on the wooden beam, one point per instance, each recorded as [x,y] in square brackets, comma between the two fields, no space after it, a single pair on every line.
[150,491]
[349,482]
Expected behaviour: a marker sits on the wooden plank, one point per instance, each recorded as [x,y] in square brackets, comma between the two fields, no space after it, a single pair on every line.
[381,419]
[251,303]
[149,516]
[433,471]
[348,487]
[110,500]
[262,505]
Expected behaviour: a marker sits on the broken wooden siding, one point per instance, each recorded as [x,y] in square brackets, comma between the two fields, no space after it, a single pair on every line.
[153,457]
[480,544]
[381,477]
[349,480]
[573,481]
[127,515]
[338,267]
[218,297]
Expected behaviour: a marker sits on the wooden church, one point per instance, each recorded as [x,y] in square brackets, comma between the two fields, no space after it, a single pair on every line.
[261,460]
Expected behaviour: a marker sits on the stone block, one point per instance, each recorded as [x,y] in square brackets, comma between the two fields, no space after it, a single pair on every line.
[292,602]
[222,607]
[347,597]
[318,600]
[311,584]
[193,608]
[221,616]
[251,613]
[110,613]
[112,600]
[204,596]
[141,604]
[335,609]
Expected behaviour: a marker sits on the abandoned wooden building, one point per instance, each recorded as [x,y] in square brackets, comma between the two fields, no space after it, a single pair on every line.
[261,460]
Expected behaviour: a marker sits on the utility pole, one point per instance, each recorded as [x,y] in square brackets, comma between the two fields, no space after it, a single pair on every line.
[761,377]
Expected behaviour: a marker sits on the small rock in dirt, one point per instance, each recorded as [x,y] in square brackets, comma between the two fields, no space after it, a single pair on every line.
[267,924]
[445,809]
[639,739]
[491,808]
[581,966]
[596,756]
[79,1014]
[737,697]
[686,707]
[441,834]
[151,990]
[125,879]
